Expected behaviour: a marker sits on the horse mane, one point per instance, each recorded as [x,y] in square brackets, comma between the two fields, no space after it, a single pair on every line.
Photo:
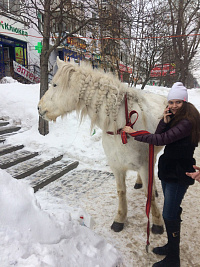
[96,89]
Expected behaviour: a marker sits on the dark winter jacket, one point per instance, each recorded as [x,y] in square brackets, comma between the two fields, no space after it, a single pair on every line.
[178,153]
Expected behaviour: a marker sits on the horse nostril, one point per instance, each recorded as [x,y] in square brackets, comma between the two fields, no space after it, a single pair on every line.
[42,113]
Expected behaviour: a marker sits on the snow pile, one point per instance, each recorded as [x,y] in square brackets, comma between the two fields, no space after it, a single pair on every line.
[31,237]
[8,80]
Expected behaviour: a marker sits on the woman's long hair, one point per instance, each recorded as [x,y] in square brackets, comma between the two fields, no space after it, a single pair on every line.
[189,112]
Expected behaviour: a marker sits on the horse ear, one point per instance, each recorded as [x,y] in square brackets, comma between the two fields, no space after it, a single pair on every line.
[59,62]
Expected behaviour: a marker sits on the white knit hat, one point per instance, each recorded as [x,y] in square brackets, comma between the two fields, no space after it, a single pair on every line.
[178,91]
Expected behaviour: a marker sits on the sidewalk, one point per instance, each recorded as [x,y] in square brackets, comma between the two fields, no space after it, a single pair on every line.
[37,169]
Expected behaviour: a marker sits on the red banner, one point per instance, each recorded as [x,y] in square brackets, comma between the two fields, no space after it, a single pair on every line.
[124,68]
[163,70]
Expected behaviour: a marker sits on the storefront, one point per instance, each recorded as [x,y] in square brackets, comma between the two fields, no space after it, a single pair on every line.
[13,45]
[125,73]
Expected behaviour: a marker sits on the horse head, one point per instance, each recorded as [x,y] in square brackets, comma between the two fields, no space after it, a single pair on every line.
[59,99]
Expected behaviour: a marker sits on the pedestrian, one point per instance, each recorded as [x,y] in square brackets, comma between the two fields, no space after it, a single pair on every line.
[195,175]
[179,131]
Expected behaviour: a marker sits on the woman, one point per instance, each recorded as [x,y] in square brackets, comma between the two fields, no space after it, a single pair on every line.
[179,131]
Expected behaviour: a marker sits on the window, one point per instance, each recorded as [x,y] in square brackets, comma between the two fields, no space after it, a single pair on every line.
[12,6]
[40,20]
[4,5]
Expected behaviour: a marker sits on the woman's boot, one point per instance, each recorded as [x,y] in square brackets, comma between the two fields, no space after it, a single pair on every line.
[164,249]
[161,250]
[173,256]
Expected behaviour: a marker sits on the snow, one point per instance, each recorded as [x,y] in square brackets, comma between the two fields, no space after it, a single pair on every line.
[31,237]
[44,230]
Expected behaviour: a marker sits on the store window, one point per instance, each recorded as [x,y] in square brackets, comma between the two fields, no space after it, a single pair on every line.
[11,50]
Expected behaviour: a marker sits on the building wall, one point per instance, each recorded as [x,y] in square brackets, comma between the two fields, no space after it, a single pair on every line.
[33,39]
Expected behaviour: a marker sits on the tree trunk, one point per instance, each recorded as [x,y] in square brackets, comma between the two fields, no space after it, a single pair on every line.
[144,83]
[44,58]
[43,126]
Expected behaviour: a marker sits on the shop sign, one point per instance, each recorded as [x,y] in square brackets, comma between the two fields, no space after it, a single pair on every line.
[130,70]
[70,53]
[38,47]
[124,68]
[162,70]
[76,42]
[88,55]
[8,25]
[98,57]
[24,72]
[19,56]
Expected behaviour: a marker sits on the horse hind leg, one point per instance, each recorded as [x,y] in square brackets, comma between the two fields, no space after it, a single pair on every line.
[120,218]
[138,183]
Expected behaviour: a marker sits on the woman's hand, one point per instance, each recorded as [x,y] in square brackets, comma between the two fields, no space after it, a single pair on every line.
[167,115]
[128,129]
[194,175]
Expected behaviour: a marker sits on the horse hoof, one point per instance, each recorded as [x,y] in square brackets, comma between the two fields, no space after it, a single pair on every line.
[117,227]
[137,186]
[157,229]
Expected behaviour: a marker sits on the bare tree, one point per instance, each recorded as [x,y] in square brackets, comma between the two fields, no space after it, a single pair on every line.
[113,33]
[164,33]
[194,68]
[61,13]
[147,44]
[185,25]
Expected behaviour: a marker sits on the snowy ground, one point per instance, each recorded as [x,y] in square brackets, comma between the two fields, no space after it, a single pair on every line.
[43,230]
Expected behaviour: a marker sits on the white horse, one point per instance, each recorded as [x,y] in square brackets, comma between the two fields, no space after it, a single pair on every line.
[101,96]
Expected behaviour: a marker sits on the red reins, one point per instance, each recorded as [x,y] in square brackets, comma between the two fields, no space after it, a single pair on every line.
[151,160]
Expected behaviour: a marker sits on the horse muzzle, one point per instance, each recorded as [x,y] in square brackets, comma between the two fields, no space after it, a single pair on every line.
[42,113]
[45,115]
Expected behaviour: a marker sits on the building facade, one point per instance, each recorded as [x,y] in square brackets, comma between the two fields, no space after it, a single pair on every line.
[21,42]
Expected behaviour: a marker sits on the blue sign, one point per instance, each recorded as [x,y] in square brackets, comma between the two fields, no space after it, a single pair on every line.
[75,55]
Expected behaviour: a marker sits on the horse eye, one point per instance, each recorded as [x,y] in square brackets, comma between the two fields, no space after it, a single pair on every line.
[54,85]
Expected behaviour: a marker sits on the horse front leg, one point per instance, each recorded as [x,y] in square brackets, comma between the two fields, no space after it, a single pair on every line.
[157,227]
[120,218]
[157,219]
